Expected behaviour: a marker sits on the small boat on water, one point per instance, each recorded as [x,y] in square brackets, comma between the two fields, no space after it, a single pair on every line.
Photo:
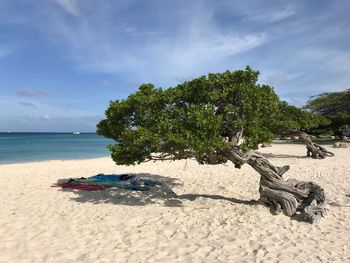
[76,133]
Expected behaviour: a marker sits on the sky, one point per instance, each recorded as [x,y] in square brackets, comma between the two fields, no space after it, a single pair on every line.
[62,61]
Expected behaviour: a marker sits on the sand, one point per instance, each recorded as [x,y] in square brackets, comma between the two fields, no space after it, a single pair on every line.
[200,213]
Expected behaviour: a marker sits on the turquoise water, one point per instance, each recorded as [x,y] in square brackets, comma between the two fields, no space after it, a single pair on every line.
[26,147]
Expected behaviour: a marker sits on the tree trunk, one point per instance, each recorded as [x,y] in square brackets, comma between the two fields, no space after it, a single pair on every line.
[236,136]
[313,150]
[290,197]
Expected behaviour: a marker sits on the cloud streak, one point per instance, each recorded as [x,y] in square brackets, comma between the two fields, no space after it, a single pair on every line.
[32,92]
[27,104]
[271,13]
[38,116]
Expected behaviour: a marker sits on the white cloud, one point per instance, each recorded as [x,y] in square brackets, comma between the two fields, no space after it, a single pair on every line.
[69,6]
[205,53]
[332,60]
[267,11]
[34,115]
[274,15]
[276,79]
[195,44]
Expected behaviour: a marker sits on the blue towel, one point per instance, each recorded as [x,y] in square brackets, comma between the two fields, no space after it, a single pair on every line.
[111,177]
[123,181]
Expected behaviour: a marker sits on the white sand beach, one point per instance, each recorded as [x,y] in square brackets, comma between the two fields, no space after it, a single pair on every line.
[200,213]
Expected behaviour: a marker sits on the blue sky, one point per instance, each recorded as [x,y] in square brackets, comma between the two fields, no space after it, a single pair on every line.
[62,61]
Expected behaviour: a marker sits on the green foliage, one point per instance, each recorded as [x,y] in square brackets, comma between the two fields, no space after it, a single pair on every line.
[293,118]
[333,105]
[195,118]
[190,119]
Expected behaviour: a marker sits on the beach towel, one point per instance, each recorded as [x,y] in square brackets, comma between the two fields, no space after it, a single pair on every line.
[85,187]
[119,184]
[112,177]
[101,182]
[124,178]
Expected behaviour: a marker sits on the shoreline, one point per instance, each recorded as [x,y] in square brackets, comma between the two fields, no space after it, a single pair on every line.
[276,142]
[53,160]
[324,142]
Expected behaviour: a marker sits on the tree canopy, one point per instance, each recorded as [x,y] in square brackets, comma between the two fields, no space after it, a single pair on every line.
[330,103]
[191,119]
[198,118]
[294,118]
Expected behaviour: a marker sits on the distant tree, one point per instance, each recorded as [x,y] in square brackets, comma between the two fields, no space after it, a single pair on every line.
[333,105]
[294,118]
[206,119]
[292,121]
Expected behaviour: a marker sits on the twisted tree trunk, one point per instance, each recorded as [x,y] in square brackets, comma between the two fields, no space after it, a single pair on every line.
[313,150]
[291,196]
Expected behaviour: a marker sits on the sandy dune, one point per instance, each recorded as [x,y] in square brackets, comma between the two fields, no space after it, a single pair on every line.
[199,214]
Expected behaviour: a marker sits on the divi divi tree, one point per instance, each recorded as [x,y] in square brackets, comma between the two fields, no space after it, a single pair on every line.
[214,119]
[334,106]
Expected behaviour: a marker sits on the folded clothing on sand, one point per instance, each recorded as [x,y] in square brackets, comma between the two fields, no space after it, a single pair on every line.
[101,182]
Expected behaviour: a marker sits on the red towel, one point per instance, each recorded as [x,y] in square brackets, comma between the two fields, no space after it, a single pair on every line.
[86,187]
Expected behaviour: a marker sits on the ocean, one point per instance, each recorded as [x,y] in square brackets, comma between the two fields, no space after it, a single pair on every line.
[27,147]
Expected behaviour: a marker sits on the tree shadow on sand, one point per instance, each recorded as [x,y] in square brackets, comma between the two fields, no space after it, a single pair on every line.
[271,155]
[159,194]
[318,141]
